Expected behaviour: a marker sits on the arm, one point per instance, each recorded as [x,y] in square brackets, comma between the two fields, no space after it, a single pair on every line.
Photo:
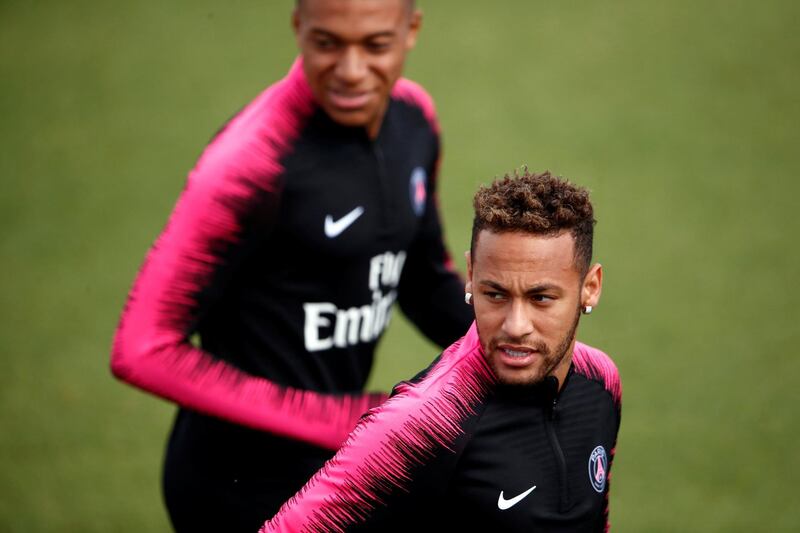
[230,200]
[400,457]
[599,366]
[431,292]
[611,454]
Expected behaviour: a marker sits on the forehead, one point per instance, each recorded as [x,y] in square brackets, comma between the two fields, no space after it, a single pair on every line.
[526,258]
[353,15]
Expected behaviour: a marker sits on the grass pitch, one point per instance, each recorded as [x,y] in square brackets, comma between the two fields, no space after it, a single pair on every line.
[681,117]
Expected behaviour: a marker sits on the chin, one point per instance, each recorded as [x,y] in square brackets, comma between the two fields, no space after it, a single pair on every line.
[348,117]
[517,378]
[525,382]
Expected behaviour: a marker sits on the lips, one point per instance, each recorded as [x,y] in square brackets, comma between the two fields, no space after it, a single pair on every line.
[516,356]
[348,101]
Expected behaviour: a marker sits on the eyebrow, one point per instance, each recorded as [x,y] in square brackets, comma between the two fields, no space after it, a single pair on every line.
[536,289]
[325,33]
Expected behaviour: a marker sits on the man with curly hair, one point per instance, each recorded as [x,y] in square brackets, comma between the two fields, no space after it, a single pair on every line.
[512,428]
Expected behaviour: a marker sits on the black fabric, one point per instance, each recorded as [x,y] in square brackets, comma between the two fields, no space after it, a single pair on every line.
[506,446]
[252,314]
[223,477]
[510,451]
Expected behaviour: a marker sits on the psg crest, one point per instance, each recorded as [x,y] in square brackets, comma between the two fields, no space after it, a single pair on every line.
[416,188]
[598,466]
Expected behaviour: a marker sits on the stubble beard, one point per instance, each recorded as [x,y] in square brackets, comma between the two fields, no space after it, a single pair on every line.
[551,358]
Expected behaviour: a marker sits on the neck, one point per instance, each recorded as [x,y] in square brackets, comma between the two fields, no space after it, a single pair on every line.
[374,127]
[562,369]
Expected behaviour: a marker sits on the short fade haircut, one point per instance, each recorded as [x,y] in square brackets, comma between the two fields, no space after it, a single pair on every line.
[539,204]
[410,4]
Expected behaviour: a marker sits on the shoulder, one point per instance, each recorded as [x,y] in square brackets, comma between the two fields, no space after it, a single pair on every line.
[254,140]
[386,452]
[596,365]
[455,380]
[415,95]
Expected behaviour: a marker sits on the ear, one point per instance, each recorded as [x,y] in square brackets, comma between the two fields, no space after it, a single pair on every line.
[414,24]
[592,286]
[468,257]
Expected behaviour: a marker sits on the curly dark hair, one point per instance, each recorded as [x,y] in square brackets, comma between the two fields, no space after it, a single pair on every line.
[541,204]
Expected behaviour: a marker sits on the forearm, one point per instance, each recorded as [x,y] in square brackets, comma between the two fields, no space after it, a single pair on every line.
[187,375]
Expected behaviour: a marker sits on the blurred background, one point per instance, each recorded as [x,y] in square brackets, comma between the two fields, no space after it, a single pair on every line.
[681,117]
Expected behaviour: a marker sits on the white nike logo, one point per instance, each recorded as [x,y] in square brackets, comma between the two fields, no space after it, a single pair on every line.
[504,504]
[334,227]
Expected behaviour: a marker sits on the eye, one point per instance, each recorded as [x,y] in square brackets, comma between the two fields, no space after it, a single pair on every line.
[324,43]
[494,295]
[377,47]
[542,298]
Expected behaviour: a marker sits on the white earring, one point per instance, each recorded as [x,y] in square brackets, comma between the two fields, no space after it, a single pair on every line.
[587,309]
[468,298]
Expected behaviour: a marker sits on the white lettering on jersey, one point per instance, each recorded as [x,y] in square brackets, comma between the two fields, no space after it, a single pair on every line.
[385,269]
[327,326]
[350,326]
[315,321]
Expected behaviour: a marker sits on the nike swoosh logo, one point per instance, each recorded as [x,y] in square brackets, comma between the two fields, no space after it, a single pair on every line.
[504,504]
[333,228]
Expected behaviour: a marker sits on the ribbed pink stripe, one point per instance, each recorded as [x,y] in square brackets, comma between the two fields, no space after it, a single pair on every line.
[597,365]
[608,490]
[151,348]
[414,94]
[378,456]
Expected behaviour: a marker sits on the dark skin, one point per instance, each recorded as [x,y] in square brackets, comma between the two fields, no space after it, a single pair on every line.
[353,53]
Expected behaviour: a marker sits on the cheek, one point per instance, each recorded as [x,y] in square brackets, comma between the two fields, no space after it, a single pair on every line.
[316,64]
[554,320]
[557,325]
[489,318]
[389,67]
[311,70]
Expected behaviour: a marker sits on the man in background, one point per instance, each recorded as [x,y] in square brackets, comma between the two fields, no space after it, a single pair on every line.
[512,428]
[308,215]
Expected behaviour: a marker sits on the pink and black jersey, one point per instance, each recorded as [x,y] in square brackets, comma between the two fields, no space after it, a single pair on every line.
[452,450]
[288,247]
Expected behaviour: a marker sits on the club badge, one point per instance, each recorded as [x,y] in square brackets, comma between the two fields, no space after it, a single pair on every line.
[598,468]
[416,188]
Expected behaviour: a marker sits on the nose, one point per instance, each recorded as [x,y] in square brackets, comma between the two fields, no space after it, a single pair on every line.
[518,322]
[351,66]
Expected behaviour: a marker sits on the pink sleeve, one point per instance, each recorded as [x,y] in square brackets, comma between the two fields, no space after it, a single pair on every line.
[597,365]
[413,93]
[225,191]
[378,458]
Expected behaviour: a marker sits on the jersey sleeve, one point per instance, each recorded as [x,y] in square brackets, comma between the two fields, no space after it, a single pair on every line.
[599,366]
[398,460]
[229,202]
[431,291]
[605,524]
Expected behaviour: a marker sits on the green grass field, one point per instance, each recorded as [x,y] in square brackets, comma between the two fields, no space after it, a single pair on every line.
[682,117]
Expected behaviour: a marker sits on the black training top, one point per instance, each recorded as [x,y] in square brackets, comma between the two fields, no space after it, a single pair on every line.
[286,251]
[453,450]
